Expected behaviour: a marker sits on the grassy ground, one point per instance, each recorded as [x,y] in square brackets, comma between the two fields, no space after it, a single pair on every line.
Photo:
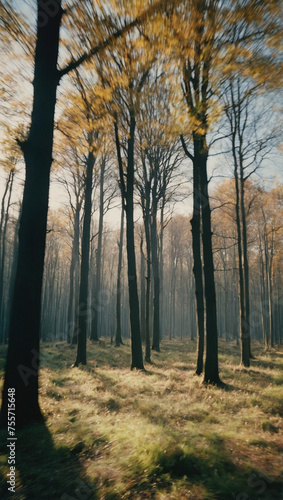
[115,434]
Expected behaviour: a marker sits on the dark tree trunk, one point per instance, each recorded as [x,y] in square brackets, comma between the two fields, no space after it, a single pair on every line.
[83,309]
[211,374]
[173,300]
[270,300]
[94,326]
[264,330]
[245,347]
[245,259]
[155,271]
[148,280]
[142,275]
[137,358]
[145,200]
[197,269]
[161,265]
[128,197]
[196,240]
[76,299]
[118,338]
[23,351]
[263,294]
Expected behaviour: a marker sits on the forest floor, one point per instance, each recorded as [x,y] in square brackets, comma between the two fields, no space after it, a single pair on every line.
[114,434]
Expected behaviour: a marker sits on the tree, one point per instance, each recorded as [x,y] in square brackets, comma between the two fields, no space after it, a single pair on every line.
[22,358]
[213,41]
[197,265]
[144,190]
[196,66]
[118,337]
[127,191]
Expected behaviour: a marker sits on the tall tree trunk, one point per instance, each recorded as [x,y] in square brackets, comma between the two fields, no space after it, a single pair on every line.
[211,374]
[161,269]
[245,346]
[270,295]
[83,312]
[142,288]
[23,351]
[197,269]
[148,281]
[76,298]
[173,300]
[128,196]
[245,258]
[182,300]
[196,243]
[94,326]
[137,361]
[118,338]
[263,295]
[156,282]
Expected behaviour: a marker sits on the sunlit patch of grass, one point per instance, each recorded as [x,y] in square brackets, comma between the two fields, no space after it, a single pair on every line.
[158,434]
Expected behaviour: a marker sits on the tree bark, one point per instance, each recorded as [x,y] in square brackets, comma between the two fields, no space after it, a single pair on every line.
[270,291]
[137,361]
[245,348]
[196,243]
[156,281]
[197,269]
[211,374]
[263,294]
[142,288]
[83,310]
[128,204]
[23,351]
[148,281]
[118,338]
[245,258]
[161,268]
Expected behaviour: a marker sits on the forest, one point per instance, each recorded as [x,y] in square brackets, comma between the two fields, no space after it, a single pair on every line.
[141,249]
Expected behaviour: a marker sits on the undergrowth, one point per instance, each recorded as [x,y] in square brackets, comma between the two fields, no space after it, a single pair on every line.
[111,434]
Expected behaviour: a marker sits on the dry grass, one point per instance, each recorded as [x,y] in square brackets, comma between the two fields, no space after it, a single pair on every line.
[115,434]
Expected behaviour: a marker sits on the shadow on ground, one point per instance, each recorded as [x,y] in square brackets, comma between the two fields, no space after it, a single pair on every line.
[43,471]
